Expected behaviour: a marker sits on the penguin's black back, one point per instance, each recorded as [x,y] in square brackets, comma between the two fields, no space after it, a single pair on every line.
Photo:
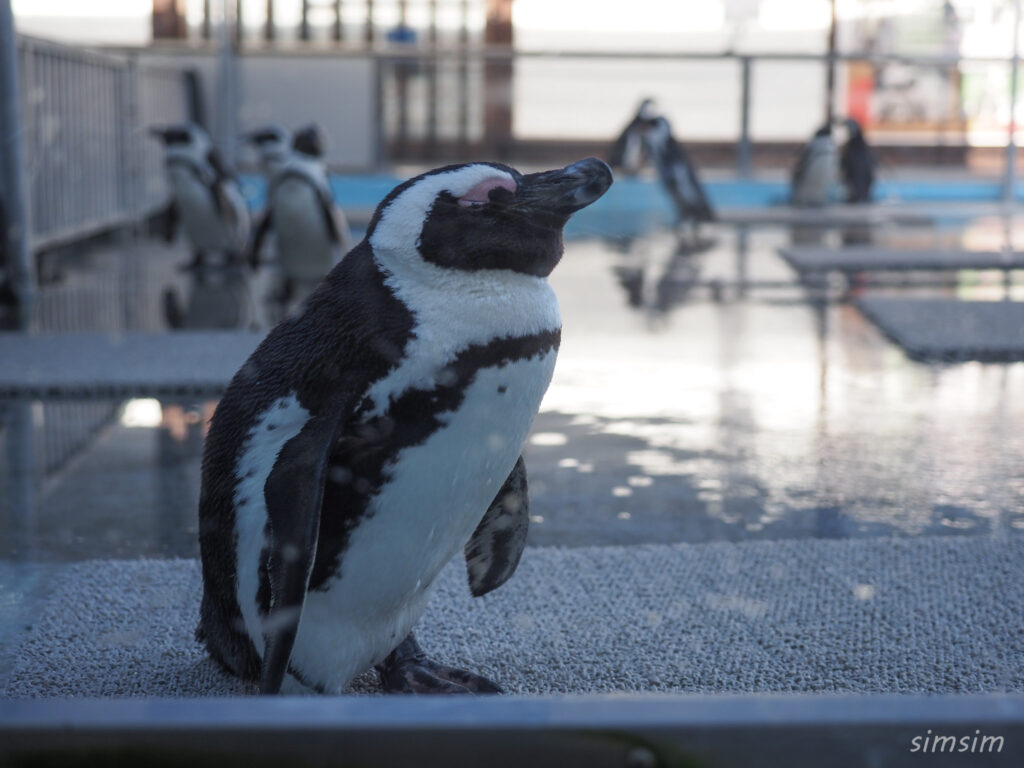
[350,332]
[857,164]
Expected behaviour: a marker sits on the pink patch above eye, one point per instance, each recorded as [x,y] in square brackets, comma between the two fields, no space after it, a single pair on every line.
[481,192]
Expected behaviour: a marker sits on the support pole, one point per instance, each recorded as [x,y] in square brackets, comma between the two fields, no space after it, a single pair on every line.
[744,150]
[1010,175]
[304,31]
[227,85]
[830,73]
[337,32]
[498,36]
[269,30]
[15,256]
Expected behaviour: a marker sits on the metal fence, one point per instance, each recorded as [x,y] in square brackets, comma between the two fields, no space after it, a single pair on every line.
[90,171]
[89,165]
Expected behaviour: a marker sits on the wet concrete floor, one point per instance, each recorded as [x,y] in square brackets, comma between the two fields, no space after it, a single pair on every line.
[698,397]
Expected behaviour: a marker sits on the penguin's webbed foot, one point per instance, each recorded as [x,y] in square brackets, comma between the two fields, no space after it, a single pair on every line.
[408,670]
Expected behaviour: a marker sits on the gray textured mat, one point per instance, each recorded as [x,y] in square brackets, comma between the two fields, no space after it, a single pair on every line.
[871,615]
[871,258]
[948,329]
[122,364]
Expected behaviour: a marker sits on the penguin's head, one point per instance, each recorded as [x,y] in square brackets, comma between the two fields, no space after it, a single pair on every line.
[485,216]
[648,110]
[852,127]
[271,141]
[824,130]
[181,136]
[309,141]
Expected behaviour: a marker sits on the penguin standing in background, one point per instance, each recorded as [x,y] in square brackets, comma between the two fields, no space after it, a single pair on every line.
[676,171]
[273,144]
[377,433]
[816,172]
[311,232]
[628,152]
[206,198]
[857,163]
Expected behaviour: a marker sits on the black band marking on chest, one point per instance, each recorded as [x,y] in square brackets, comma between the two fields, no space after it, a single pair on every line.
[368,447]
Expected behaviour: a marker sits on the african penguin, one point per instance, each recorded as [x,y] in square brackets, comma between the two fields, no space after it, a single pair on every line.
[815,175]
[857,163]
[311,232]
[377,432]
[628,150]
[206,198]
[676,171]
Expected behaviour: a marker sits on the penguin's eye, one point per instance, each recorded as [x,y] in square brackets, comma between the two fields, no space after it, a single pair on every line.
[496,189]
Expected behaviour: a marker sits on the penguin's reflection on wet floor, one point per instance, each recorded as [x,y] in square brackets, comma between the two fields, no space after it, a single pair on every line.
[217,297]
[657,280]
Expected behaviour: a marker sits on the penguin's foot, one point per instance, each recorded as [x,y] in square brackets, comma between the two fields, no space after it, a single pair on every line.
[408,670]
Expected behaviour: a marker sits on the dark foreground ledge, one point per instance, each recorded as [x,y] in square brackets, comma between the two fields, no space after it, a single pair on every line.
[741,730]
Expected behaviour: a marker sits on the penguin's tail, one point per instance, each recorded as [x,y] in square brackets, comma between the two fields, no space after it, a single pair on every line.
[230,647]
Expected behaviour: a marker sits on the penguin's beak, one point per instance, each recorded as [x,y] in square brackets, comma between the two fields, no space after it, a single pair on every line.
[565,191]
[157,132]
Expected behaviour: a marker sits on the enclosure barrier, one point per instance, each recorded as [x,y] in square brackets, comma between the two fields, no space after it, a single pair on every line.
[89,169]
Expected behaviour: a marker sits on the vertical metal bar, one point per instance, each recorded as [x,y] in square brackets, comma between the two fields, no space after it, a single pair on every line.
[239,25]
[338,33]
[226,87]
[304,22]
[269,30]
[207,27]
[378,107]
[1010,176]
[744,149]
[368,33]
[830,73]
[18,260]
[462,87]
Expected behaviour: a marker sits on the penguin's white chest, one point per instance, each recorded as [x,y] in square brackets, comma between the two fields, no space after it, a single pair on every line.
[199,216]
[305,250]
[435,496]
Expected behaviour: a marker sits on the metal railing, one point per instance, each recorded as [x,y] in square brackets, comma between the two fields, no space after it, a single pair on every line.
[89,170]
[88,162]
[420,83]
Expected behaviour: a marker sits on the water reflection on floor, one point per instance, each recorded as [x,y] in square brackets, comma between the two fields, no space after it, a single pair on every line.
[699,396]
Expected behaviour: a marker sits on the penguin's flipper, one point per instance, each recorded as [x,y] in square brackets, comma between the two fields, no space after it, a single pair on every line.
[493,551]
[262,227]
[294,494]
[168,220]
[327,211]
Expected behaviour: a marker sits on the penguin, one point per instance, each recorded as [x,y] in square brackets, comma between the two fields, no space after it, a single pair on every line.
[857,164]
[628,151]
[676,171]
[273,143]
[815,174]
[312,233]
[206,197]
[378,432]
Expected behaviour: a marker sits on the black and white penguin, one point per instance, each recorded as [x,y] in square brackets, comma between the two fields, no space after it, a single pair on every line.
[206,197]
[311,231]
[676,171]
[628,151]
[857,163]
[377,433]
[273,144]
[815,174]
